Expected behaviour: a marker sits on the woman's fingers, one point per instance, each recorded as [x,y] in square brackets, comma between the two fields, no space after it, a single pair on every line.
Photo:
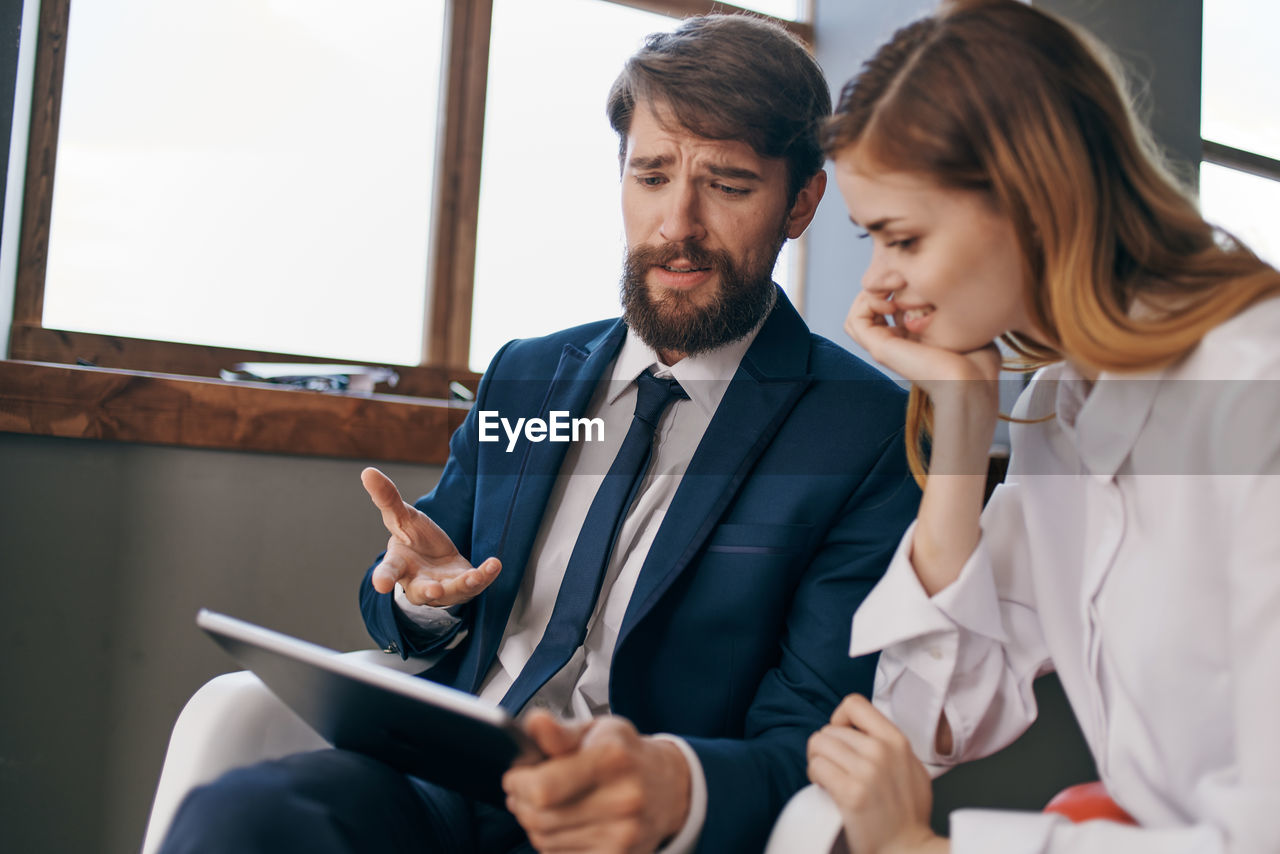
[856,710]
[866,764]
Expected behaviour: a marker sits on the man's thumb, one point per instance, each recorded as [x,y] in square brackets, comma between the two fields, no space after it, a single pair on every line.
[555,738]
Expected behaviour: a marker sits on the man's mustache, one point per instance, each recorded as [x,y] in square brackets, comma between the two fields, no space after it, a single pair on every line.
[700,257]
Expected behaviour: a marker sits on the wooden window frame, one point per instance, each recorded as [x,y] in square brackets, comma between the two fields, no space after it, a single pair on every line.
[133,389]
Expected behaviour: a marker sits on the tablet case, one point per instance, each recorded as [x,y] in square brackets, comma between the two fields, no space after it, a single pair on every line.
[416,726]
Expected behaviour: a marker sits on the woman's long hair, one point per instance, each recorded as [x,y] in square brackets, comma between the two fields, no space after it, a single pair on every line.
[997,96]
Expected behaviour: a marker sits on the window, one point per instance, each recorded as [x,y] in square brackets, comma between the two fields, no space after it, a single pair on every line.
[1240,175]
[297,180]
[246,174]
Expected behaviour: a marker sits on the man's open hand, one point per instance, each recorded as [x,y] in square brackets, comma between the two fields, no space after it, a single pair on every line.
[420,556]
[603,787]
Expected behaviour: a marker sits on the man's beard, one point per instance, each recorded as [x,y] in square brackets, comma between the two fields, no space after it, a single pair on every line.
[673,320]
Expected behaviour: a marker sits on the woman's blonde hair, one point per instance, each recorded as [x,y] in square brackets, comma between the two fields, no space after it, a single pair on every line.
[1000,97]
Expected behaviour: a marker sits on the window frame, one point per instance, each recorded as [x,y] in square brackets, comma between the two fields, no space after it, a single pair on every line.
[1239,159]
[38,354]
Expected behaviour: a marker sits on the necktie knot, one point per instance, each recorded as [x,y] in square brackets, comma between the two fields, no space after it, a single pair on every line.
[653,396]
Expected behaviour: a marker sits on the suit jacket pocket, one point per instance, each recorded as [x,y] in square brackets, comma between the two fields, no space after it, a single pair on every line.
[763,539]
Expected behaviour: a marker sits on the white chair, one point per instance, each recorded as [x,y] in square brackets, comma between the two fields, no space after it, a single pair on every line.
[232,721]
[808,824]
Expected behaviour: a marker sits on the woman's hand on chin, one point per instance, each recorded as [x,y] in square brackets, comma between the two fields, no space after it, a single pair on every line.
[932,368]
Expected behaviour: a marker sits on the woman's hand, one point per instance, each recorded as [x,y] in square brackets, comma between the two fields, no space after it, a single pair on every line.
[883,792]
[965,394]
[931,368]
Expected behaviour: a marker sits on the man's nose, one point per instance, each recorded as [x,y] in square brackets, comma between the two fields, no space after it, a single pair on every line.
[682,218]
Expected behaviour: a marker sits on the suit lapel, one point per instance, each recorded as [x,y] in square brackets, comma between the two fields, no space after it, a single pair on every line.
[770,380]
[577,375]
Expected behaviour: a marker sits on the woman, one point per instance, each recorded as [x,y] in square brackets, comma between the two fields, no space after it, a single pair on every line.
[990,155]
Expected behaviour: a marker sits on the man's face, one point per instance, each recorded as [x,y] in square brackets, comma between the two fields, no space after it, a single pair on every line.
[704,222]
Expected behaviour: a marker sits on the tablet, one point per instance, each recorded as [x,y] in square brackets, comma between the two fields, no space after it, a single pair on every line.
[416,726]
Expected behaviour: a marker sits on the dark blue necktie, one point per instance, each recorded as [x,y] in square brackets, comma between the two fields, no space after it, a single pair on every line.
[585,571]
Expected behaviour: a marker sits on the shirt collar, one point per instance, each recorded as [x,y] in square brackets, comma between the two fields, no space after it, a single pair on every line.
[1105,421]
[703,376]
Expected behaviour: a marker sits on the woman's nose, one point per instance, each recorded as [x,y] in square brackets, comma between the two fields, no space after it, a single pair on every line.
[880,279]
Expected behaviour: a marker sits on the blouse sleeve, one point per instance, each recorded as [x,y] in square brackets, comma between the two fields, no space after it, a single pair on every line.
[972,650]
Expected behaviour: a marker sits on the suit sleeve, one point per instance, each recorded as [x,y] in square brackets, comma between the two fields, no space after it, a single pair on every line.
[750,779]
[451,505]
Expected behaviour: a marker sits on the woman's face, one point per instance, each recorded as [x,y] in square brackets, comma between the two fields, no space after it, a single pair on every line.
[947,258]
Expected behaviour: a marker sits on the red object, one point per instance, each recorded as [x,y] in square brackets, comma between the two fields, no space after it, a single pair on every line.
[1086,802]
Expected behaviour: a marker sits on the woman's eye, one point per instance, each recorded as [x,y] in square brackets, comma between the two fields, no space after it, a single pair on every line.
[902,243]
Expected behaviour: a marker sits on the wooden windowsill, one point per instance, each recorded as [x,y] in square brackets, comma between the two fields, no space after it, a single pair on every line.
[49,399]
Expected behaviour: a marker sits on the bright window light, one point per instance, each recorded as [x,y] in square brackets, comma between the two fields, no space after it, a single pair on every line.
[1241,75]
[1244,205]
[248,173]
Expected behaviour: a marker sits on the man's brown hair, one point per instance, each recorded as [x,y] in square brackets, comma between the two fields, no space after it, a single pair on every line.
[733,77]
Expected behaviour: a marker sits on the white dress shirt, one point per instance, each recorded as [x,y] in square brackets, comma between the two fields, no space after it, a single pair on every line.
[1135,548]
[580,690]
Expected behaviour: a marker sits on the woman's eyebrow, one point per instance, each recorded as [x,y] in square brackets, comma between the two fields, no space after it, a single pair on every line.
[878,224]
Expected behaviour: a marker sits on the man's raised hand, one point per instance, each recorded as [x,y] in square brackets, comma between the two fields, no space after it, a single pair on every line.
[420,556]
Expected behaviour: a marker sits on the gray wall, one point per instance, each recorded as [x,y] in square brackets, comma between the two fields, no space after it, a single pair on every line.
[107,550]
[1159,43]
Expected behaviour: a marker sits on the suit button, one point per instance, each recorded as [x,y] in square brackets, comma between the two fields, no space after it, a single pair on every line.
[391,647]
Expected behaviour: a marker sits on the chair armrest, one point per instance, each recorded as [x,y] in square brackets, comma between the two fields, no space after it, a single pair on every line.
[808,824]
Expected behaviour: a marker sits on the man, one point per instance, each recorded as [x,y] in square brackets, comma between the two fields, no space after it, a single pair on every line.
[672,633]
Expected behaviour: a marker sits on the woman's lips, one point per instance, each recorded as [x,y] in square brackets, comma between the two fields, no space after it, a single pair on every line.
[914,320]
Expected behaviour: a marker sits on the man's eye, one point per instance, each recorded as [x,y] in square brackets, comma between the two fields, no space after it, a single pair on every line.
[649,180]
[731,191]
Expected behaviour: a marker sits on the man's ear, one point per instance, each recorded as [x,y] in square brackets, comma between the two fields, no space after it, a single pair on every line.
[806,204]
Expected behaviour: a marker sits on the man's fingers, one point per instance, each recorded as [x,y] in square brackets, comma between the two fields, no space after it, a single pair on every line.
[381,488]
[391,570]
[447,586]
[606,818]
[567,776]
[553,737]
[482,576]
[386,497]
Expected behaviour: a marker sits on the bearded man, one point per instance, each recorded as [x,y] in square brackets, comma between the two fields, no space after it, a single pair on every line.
[667,610]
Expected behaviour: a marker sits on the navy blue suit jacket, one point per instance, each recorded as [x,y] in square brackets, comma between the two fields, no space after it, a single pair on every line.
[737,633]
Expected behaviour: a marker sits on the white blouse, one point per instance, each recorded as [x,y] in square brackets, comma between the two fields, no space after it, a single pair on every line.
[1134,549]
